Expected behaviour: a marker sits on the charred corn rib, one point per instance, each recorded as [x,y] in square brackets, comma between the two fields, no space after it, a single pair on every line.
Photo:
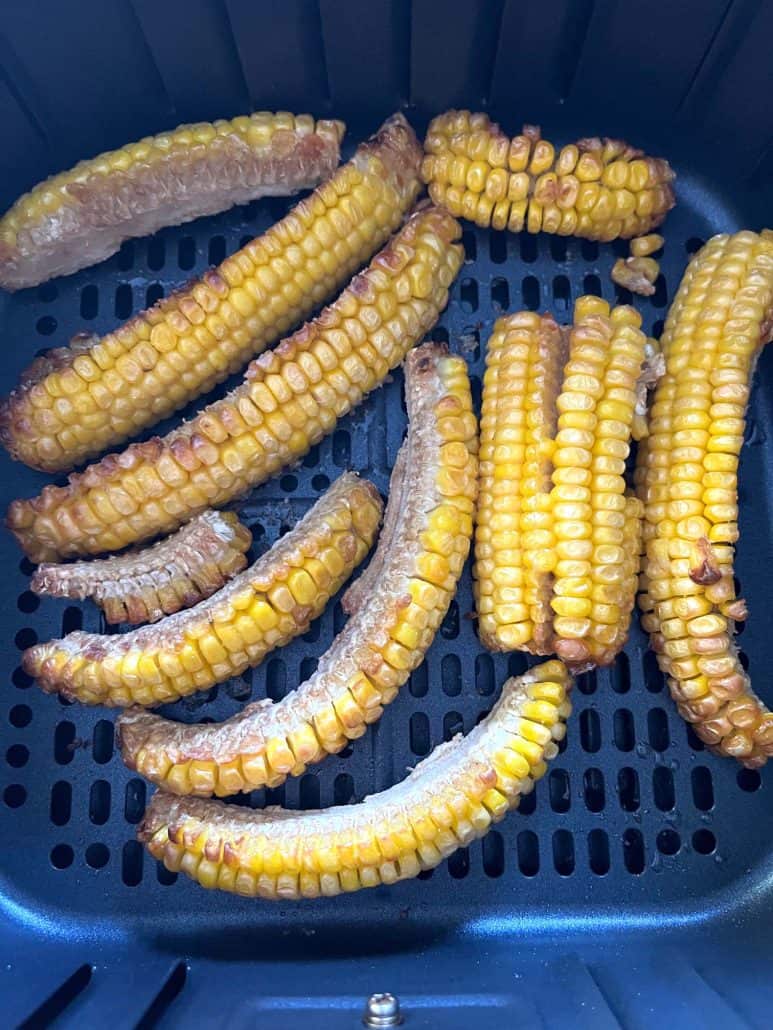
[82,216]
[597,188]
[262,608]
[687,476]
[75,405]
[397,609]
[449,800]
[145,585]
[552,572]
[290,398]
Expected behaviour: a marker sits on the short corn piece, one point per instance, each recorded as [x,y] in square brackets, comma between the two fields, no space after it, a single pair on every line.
[76,403]
[556,545]
[687,477]
[290,398]
[596,188]
[449,800]
[396,608]
[145,585]
[262,608]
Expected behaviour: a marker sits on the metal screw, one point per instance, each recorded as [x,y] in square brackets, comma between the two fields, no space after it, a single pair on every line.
[382,1010]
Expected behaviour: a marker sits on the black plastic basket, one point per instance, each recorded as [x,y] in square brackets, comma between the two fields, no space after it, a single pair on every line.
[635,884]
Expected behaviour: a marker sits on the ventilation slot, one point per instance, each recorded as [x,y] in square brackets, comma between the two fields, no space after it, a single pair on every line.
[52,1008]
[171,988]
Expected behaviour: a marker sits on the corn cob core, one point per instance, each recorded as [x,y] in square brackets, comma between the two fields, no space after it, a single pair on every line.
[396,613]
[290,398]
[190,341]
[449,800]
[552,570]
[687,476]
[600,189]
[263,608]
[145,585]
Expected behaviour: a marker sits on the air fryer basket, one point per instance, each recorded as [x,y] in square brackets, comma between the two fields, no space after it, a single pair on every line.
[622,887]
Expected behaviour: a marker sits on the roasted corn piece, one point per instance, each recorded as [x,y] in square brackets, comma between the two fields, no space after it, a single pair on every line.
[262,608]
[74,404]
[290,398]
[637,274]
[552,573]
[596,188]
[145,585]
[687,476]
[449,799]
[82,216]
[397,607]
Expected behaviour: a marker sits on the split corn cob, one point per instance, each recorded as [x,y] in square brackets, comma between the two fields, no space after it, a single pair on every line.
[397,607]
[552,572]
[192,340]
[145,585]
[290,398]
[687,476]
[262,608]
[82,216]
[449,800]
[597,188]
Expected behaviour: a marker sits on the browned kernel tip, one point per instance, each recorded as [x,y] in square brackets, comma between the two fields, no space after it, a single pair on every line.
[708,571]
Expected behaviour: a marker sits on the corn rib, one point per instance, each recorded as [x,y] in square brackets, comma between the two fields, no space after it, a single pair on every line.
[397,609]
[188,342]
[81,216]
[145,585]
[552,569]
[449,800]
[291,397]
[262,608]
[687,477]
[600,189]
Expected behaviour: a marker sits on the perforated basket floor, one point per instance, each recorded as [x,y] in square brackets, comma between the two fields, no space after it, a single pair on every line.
[634,822]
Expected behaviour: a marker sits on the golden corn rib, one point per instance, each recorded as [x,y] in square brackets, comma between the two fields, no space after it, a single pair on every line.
[190,341]
[145,585]
[395,615]
[551,568]
[81,216]
[597,188]
[449,800]
[593,588]
[290,398]
[513,535]
[262,608]
[687,476]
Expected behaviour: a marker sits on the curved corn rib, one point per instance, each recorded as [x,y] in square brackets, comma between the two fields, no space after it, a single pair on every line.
[145,585]
[552,572]
[396,615]
[596,188]
[687,476]
[290,398]
[190,341]
[449,800]
[262,608]
[81,216]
